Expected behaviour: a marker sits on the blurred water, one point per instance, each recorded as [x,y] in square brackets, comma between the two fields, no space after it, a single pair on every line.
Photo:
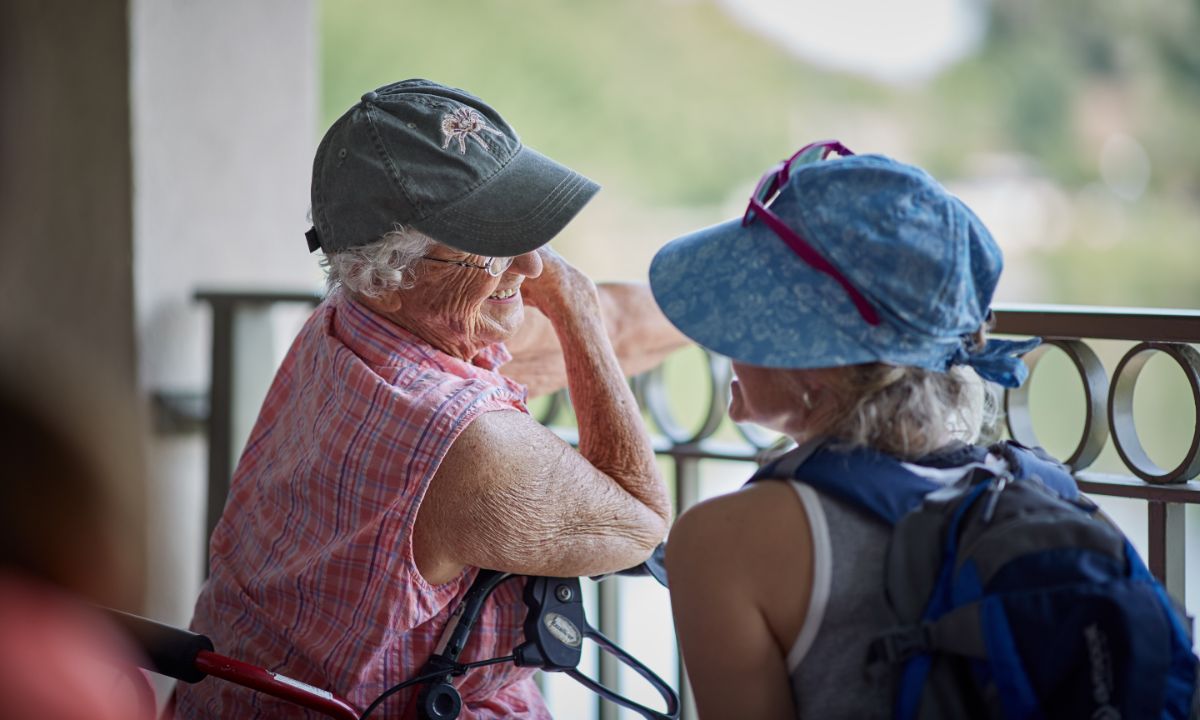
[901,43]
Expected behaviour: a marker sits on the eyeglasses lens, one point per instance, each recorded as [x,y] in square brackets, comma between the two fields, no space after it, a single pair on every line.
[768,186]
[496,266]
[812,154]
[770,183]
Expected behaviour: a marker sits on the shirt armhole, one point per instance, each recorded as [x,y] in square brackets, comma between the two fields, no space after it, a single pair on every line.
[452,427]
[822,574]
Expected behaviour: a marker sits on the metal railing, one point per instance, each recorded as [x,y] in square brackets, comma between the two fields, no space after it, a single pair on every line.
[1108,402]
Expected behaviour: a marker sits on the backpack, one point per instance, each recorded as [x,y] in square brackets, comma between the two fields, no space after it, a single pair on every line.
[1013,597]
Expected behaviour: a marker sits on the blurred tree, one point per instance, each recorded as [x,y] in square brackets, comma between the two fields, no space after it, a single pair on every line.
[668,99]
[670,103]
[1173,30]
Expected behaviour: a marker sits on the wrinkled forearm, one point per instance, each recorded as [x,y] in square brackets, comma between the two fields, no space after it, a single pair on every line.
[611,434]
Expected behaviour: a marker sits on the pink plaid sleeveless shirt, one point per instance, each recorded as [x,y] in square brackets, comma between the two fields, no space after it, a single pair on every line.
[312,562]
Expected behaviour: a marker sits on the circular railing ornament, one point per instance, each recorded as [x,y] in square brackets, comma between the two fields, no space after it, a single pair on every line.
[1121,420]
[652,391]
[1095,390]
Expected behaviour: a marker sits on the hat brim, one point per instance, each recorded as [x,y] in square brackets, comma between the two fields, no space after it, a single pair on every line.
[742,293]
[518,209]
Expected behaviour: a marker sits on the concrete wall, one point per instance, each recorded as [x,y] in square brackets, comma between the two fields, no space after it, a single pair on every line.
[149,148]
[223,117]
[66,278]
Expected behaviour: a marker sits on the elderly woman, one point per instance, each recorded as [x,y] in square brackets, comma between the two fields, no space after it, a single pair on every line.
[853,308]
[391,458]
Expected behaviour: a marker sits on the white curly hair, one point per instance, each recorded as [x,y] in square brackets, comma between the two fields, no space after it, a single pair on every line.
[376,269]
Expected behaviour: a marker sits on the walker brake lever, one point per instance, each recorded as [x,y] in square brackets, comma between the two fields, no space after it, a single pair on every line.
[655,566]
[664,690]
[554,625]
[555,628]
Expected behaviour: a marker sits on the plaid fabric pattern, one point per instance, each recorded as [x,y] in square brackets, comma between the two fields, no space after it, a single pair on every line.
[312,562]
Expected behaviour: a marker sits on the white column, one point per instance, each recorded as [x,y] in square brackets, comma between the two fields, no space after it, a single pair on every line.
[224,128]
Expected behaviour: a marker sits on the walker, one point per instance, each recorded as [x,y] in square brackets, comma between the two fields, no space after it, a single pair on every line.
[555,627]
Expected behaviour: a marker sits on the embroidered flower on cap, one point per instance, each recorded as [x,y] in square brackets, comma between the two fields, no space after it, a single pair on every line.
[463,123]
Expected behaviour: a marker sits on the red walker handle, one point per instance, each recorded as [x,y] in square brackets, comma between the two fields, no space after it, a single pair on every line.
[280,686]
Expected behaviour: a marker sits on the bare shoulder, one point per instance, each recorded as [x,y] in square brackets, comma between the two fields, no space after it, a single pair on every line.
[507,454]
[754,544]
[740,582]
[502,442]
[750,517]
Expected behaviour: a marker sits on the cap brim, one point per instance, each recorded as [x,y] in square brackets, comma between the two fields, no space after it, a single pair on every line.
[742,293]
[519,209]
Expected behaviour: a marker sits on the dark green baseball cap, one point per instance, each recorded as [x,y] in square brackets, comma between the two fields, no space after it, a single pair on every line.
[440,160]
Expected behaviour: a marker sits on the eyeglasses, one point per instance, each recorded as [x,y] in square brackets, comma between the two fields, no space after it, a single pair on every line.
[495,266]
[770,185]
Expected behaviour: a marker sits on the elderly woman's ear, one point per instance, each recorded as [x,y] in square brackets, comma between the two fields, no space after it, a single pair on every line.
[388,302]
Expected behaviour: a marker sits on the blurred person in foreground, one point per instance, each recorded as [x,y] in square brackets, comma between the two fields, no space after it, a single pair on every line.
[70,539]
[392,458]
[854,308]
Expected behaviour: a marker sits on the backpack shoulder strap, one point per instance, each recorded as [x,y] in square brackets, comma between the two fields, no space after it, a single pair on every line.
[882,486]
[872,481]
[1034,463]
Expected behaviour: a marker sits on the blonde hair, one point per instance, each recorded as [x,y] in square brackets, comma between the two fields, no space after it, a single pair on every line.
[904,411]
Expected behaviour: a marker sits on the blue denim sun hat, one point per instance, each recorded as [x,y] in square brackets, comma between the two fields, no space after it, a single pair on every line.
[921,258]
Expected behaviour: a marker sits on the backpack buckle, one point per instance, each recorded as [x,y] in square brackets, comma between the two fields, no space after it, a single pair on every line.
[998,485]
[899,645]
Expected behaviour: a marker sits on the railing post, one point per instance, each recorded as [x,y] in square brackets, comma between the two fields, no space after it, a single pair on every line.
[687,494]
[1167,546]
[220,422]
[608,598]
[233,330]
[220,406]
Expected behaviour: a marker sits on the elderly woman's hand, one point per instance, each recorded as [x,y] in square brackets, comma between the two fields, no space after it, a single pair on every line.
[560,286]
[640,334]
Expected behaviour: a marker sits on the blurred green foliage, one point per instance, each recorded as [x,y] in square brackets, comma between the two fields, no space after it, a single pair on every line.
[669,99]
[1043,65]
[669,104]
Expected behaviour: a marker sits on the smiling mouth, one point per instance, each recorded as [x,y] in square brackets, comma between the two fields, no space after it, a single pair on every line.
[503,294]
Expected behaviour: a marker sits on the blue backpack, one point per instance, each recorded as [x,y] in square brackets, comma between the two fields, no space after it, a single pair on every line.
[1013,597]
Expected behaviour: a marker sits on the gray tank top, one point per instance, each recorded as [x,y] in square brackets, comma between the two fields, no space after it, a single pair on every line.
[846,611]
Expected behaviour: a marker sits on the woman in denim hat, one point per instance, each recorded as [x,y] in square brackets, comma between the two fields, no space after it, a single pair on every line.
[853,299]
